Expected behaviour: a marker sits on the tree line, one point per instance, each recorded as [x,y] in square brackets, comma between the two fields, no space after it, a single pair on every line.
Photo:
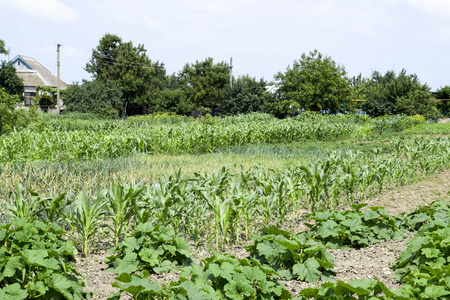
[125,81]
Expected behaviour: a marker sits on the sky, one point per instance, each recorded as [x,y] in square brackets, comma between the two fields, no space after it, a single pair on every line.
[264,37]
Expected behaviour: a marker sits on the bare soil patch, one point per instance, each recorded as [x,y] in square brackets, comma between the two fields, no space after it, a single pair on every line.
[370,262]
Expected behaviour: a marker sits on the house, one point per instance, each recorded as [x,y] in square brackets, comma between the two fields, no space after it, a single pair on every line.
[33,75]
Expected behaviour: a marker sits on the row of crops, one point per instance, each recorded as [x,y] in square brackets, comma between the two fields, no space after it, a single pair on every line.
[37,262]
[123,138]
[215,208]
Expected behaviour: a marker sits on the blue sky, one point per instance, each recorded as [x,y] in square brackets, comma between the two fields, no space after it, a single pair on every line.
[262,36]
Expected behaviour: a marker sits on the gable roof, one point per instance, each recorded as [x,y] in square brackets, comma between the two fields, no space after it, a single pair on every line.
[33,73]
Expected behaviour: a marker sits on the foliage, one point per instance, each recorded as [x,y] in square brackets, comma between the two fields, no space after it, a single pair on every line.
[154,249]
[292,255]
[36,262]
[424,216]
[393,123]
[221,276]
[47,95]
[120,207]
[443,106]
[369,289]
[172,101]
[26,204]
[129,67]
[87,219]
[3,47]
[281,108]
[9,80]
[103,98]
[316,83]
[204,83]
[10,117]
[397,94]
[429,247]
[247,95]
[354,228]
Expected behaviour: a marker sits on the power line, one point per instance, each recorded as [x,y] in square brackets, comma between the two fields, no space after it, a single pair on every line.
[126,62]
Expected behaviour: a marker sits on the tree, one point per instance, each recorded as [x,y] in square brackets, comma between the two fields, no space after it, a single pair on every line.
[316,83]
[103,98]
[443,106]
[172,101]
[391,94]
[3,47]
[10,81]
[204,83]
[140,79]
[247,95]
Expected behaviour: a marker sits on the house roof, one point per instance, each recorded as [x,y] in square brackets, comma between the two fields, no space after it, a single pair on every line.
[33,73]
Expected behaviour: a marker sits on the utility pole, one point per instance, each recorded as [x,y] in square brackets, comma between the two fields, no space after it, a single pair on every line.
[231,72]
[58,100]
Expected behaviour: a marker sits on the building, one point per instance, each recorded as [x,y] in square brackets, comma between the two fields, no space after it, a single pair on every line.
[33,75]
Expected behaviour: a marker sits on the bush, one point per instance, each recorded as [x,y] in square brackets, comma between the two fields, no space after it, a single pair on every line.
[10,117]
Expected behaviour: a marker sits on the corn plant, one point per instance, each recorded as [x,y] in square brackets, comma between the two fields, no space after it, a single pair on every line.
[120,208]
[21,207]
[87,218]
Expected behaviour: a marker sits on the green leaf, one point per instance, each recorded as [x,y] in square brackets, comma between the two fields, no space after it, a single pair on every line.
[150,256]
[309,271]
[327,229]
[13,291]
[431,253]
[35,257]
[14,263]
[38,286]
[239,288]
[435,291]
[194,292]
[140,285]
[275,231]
[66,287]
[129,264]
[145,227]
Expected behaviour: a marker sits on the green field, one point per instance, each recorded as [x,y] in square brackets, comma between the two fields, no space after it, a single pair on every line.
[214,182]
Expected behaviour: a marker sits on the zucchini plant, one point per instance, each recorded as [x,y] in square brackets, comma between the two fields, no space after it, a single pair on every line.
[153,249]
[354,228]
[292,256]
[37,262]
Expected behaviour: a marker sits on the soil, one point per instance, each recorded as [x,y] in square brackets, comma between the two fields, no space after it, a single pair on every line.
[371,262]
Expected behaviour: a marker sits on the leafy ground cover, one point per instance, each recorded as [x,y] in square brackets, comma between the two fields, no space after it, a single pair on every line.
[36,261]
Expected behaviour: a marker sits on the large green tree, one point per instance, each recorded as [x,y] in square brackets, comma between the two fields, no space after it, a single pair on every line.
[10,81]
[315,82]
[396,94]
[204,83]
[247,95]
[103,98]
[140,78]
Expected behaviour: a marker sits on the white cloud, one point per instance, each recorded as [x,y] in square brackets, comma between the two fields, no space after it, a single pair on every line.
[435,6]
[52,10]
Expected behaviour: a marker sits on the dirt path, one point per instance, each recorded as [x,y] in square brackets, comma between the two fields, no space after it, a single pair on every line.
[368,262]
